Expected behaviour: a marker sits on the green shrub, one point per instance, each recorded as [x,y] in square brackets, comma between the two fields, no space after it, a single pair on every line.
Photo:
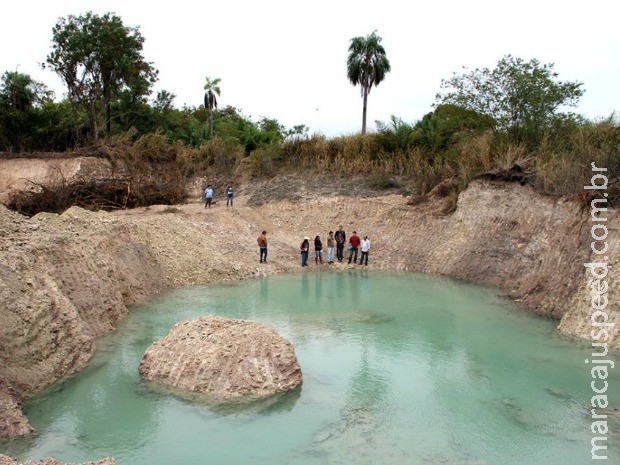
[265,160]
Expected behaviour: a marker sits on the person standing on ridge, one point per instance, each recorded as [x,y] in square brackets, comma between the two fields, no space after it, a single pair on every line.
[229,194]
[208,196]
[262,244]
[354,242]
[341,238]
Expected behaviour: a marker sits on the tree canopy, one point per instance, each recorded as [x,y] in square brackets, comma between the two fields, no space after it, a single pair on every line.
[20,98]
[367,65]
[522,97]
[98,58]
[21,91]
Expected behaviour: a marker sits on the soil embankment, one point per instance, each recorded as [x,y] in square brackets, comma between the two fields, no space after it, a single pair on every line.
[67,279]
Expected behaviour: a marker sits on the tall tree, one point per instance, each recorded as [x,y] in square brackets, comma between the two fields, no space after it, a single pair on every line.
[522,97]
[212,88]
[367,65]
[98,57]
[20,95]
[21,91]
[163,106]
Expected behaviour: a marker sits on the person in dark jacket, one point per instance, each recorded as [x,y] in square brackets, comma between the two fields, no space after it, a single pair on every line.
[318,250]
[229,195]
[341,238]
[303,248]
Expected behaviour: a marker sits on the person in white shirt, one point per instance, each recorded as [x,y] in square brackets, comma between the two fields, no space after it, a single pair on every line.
[365,247]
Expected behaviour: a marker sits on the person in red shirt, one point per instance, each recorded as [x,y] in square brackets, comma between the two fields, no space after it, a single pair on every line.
[354,242]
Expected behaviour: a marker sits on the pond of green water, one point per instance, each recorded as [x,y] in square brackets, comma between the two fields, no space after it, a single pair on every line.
[398,369]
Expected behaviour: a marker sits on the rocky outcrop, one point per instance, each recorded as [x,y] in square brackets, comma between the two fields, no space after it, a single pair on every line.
[531,246]
[13,422]
[578,318]
[4,460]
[63,283]
[225,358]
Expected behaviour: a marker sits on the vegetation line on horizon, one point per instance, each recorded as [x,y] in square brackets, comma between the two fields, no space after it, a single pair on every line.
[484,120]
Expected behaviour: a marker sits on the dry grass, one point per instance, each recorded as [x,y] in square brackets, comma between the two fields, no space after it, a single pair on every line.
[564,168]
[559,166]
[157,171]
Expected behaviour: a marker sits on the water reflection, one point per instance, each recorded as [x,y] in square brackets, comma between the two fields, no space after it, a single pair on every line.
[264,289]
[103,415]
[279,402]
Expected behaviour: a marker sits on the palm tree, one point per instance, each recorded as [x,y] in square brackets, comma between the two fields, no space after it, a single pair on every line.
[367,65]
[212,89]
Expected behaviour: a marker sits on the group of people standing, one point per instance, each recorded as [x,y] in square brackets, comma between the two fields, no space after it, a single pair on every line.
[336,241]
[209,195]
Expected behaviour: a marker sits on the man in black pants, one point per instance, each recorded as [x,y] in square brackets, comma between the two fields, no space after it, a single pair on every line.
[341,238]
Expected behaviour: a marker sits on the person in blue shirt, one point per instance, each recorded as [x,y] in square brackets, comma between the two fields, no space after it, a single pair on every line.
[208,196]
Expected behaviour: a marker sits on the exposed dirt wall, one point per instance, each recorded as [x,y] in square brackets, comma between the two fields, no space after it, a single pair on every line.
[67,279]
[29,174]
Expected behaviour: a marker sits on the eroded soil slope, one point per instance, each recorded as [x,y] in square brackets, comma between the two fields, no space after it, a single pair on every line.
[67,279]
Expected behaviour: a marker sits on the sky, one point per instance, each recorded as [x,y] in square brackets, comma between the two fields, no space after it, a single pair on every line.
[286,59]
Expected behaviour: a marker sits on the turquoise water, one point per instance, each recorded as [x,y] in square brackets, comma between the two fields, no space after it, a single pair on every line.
[398,369]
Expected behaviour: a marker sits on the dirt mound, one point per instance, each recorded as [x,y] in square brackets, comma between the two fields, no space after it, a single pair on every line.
[225,358]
